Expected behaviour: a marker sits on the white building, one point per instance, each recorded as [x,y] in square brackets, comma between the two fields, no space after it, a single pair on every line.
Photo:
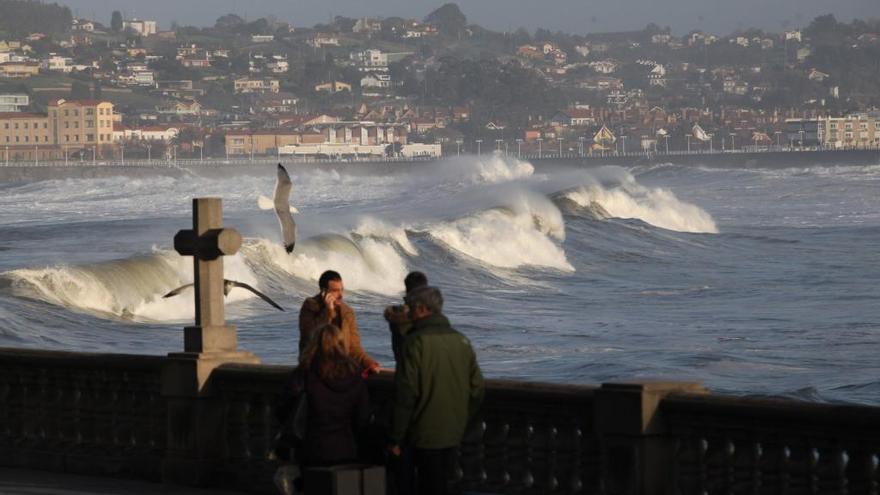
[376,81]
[370,58]
[248,85]
[57,63]
[13,102]
[142,28]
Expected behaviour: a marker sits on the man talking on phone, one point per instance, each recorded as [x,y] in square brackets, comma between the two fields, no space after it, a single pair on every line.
[327,307]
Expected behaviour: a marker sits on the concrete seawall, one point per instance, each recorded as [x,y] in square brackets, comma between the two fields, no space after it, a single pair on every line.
[19,172]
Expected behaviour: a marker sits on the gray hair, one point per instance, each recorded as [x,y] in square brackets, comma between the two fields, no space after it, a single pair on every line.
[428,296]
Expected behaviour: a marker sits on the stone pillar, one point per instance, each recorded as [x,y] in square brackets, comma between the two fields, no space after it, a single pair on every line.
[637,456]
[196,442]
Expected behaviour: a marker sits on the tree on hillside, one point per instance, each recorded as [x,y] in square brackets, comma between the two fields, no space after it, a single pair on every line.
[116,21]
[20,18]
[449,20]
[229,22]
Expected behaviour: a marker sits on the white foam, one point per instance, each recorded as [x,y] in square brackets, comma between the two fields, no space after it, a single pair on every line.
[129,288]
[503,239]
[373,227]
[498,168]
[658,207]
[370,265]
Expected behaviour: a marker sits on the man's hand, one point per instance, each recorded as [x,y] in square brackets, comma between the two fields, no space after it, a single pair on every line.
[330,302]
[395,450]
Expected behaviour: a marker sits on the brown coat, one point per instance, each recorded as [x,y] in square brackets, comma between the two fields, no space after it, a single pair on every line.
[314,313]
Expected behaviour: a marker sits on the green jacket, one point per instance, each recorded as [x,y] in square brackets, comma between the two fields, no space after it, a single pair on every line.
[439,388]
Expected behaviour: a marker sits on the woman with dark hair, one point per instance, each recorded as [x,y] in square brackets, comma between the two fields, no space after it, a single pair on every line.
[336,397]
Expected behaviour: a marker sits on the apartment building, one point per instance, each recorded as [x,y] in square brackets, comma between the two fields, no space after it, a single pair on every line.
[852,131]
[260,142]
[81,123]
[248,85]
[68,127]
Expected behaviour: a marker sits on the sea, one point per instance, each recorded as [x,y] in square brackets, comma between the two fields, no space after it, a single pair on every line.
[753,281]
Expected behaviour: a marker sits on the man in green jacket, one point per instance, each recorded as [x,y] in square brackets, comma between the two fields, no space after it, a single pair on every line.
[438,390]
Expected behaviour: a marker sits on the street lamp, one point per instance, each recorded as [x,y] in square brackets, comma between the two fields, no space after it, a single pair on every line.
[560,146]
[540,147]
[733,141]
[122,152]
[149,157]
[458,146]
[801,132]
[667,143]
[94,155]
[519,148]
[689,142]
[777,133]
[65,154]
[581,140]
[479,142]
[624,143]
[6,159]
[498,144]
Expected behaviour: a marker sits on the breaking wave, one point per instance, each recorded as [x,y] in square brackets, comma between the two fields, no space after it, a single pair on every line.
[525,232]
[658,207]
[130,288]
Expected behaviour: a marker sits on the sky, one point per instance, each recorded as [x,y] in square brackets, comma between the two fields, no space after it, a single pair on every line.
[571,16]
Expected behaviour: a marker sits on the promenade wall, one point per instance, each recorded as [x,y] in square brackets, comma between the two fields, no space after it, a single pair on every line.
[103,414]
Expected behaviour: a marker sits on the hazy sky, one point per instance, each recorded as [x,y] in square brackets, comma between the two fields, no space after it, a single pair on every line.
[573,16]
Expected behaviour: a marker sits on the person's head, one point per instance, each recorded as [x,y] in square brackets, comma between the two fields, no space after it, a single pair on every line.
[331,282]
[415,280]
[424,302]
[328,348]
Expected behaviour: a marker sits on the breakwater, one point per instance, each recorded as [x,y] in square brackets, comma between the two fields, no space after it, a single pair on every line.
[106,414]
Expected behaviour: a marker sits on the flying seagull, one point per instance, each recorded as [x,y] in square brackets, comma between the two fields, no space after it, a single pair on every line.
[282,208]
[228,285]
[281,204]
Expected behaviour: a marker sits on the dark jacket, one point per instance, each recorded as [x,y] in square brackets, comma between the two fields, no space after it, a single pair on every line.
[399,324]
[438,389]
[336,410]
[314,313]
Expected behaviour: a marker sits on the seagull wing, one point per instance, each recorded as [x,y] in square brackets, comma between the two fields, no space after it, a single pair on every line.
[262,296]
[177,290]
[282,208]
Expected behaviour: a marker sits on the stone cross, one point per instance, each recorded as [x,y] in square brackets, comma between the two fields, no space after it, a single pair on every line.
[207,243]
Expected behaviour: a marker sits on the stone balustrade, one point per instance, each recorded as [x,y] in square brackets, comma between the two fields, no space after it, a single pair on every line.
[83,413]
[725,444]
[106,415]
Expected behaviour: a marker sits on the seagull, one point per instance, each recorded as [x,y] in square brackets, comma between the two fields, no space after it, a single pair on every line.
[228,285]
[281,205]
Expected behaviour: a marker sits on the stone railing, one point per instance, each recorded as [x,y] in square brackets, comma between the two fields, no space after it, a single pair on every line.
[725,444]
[83,413]
[106,415]
[530,438]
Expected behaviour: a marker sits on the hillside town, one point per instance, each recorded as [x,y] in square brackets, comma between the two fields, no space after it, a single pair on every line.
[79,89]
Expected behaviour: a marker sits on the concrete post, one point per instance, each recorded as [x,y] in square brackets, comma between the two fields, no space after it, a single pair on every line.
[637,457]
[196,422]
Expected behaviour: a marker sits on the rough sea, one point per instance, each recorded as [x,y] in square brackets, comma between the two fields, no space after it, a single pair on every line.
[752,281]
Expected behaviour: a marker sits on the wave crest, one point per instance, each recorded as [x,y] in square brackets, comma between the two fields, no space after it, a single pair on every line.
[658,207]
